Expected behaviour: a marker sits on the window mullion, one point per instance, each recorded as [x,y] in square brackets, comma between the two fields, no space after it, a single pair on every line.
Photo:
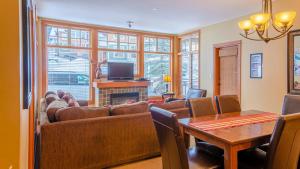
[69,37]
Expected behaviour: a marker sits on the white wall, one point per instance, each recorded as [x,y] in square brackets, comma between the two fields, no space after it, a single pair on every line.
[265,94]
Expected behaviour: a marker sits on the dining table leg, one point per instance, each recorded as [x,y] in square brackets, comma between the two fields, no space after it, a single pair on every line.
[230,157]
[186,137]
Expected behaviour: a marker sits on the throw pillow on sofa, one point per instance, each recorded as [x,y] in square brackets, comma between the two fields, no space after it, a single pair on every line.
[49,92]
[73,103]
[139,107]
[74,113]
[60,93]
[50,98]
[67,97]
[53,107]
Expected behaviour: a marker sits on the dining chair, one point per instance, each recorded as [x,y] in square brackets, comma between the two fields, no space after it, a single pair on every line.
[284,147]
[291,104]
[227,103]
[173,151]
[201,107]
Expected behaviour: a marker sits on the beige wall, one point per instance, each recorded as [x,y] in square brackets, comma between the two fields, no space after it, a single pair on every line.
[10,87]
[265,94]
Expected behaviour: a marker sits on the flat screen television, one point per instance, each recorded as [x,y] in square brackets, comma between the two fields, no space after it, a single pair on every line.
[120,71]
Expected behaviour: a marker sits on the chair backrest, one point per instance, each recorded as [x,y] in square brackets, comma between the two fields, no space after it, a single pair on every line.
[173,152]
[195,93]
[291,104]
[228,103]
[201,106]
[285,143]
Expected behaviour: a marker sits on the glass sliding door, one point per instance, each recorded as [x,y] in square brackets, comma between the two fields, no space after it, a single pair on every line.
[189,63]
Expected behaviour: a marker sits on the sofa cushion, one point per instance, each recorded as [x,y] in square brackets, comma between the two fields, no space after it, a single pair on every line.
[53,107]
[73,113]
[139,107]
[50,98]
[171,105]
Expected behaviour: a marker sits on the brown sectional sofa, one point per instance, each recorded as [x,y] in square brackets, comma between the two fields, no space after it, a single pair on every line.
[93,138]
[179,107]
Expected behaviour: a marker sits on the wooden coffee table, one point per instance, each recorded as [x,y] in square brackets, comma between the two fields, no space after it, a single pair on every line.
[231,140]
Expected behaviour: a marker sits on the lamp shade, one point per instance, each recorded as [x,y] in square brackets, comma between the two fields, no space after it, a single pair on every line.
[285,18]
[167,78]
[260,19]
[246,25]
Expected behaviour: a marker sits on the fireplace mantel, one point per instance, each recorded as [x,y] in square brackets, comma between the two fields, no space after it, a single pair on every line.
[104,90]
[119,84]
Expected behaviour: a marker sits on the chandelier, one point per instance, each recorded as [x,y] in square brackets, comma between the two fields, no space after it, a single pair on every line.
[262,22]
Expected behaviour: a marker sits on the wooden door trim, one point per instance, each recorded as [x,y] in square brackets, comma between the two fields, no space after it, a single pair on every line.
[217,47]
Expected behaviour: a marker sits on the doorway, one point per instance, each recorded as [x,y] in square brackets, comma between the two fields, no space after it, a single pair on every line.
[227,69]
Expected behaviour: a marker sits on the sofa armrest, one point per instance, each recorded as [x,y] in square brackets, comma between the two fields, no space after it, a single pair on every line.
[98,142]
[170,105]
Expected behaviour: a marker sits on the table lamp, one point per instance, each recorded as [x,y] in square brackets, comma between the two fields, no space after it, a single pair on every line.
[167,80]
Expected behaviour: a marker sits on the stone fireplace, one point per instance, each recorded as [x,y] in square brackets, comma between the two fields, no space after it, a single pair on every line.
[122,98]
[114,93]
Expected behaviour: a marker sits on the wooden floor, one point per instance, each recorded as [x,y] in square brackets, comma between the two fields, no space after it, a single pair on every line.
[153,163]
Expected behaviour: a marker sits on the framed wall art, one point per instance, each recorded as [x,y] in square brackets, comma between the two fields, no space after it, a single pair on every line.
[256,61]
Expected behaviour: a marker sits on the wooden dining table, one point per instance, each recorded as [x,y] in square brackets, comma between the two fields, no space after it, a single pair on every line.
[232,139]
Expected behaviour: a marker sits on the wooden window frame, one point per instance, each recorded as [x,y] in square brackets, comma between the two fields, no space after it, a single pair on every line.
[190,53]
[94,29]
[46,46]
[171,55]
[137,51]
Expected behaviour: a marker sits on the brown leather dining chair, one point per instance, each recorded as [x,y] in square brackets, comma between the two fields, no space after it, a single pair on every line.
[291,104]
[228,103]
[284,147]
[201,107]
[173,151]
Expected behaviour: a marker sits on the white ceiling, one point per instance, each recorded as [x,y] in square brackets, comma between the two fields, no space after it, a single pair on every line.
[167,16]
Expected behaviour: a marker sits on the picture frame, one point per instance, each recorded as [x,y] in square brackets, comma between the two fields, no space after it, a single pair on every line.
[293,64]
[27,54]
[256,70]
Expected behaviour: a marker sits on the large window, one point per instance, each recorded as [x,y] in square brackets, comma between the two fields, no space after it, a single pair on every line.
[72,53]
[190,63]
[115,47]
[157,53]
[68,52]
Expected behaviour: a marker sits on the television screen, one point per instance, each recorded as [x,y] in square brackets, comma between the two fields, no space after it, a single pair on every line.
[120,71]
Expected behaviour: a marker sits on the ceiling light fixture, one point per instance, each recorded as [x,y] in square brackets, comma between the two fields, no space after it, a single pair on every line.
[130,23]
[262,22]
